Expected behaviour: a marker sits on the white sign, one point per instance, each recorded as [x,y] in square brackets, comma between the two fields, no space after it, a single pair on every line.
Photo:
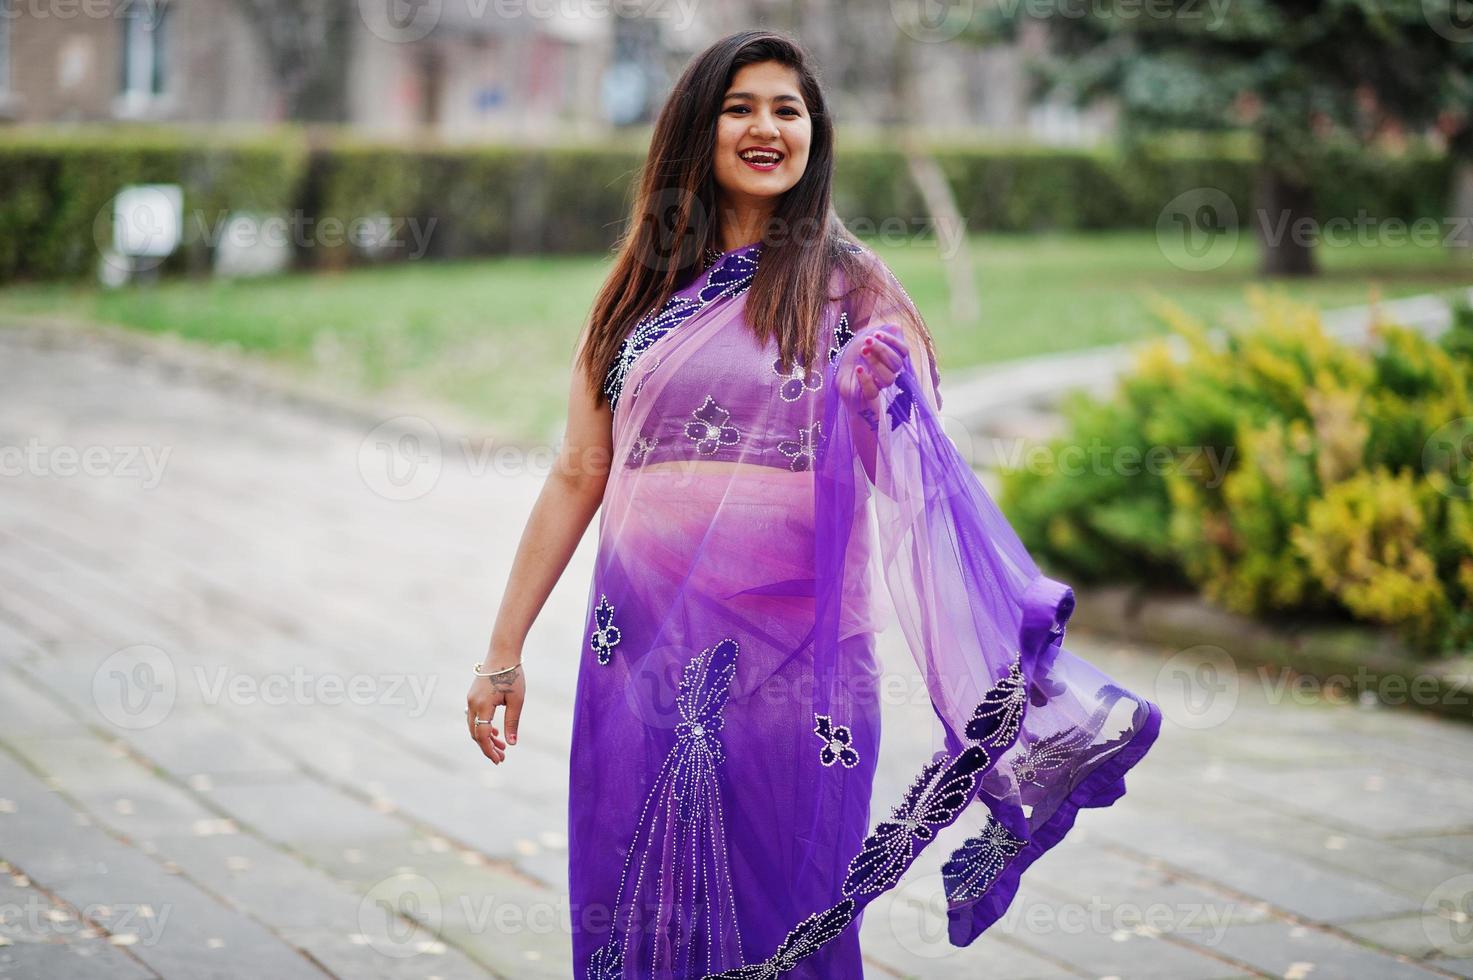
[148,220]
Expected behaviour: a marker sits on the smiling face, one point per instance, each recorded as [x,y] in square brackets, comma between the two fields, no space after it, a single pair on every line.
[762,136]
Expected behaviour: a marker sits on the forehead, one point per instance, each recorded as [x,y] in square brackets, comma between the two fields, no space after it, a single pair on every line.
[766,79]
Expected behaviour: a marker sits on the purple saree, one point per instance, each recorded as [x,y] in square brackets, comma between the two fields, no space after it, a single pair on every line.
[727,716]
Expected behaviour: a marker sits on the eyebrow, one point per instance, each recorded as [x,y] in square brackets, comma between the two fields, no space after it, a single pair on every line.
[749,95]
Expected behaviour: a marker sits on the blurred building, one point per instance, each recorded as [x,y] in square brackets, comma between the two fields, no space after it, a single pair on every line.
[477,69]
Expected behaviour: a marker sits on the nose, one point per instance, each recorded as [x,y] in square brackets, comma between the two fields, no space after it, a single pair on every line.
[763,127]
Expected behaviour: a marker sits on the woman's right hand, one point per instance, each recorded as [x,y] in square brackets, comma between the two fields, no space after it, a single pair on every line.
[485,696]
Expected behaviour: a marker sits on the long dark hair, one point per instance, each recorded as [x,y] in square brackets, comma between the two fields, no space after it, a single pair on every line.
[674,220]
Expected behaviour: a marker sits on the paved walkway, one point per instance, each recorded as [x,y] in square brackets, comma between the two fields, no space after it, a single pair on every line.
[234,643]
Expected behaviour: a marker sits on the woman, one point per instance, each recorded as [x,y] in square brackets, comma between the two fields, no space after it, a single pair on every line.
[747,375]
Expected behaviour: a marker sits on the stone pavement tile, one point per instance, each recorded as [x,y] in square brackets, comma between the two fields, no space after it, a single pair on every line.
[1416,936]
[1393,864]
[1284,950]
[26,709]
[213,746]
[41,937]
[909,938]
[178,929]
[85,959]
[1281,878]
[516,928]
[302,812]
[1380,797]
[1093,942]
[1129,892]
[1459,847]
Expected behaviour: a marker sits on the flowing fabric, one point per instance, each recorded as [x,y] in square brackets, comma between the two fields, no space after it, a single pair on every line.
[727,720]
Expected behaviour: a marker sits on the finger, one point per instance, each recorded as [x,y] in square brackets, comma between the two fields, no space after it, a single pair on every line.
[882,375]
[491,751]
[883,354]
[894,339]
[471,714]
[867,385]
[513,717]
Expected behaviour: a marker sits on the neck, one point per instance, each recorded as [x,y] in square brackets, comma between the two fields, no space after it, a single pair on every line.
[742,224]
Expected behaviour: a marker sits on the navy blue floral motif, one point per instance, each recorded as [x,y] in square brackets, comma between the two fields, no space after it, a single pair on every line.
[797,381]
[708,427]
[603,639]
[838,742]
[730,277]
[842,335]
[704,687]
[996,719]
[800,453]
[900,405]
[807,938]
[974,866]
[935,799]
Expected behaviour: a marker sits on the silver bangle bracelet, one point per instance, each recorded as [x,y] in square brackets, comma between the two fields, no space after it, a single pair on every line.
[496,673]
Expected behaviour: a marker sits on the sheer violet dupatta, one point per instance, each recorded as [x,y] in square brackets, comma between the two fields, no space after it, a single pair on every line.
[726,723]
[1032,733]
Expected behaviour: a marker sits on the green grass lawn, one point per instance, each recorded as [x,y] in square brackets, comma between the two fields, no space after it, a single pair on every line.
[494,337]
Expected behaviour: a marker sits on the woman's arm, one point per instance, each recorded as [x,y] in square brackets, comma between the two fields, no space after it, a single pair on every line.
[569,499]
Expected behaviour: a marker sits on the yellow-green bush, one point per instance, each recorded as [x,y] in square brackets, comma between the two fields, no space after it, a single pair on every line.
[1345,486]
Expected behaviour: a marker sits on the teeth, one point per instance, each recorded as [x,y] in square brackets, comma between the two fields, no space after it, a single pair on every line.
[761,156]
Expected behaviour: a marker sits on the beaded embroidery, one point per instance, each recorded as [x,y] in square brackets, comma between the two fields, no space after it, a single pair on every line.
[708,428]
[800,452]
[606,636]
[681,824]
[730,277]
[838,742]
[972,868]
[995,721]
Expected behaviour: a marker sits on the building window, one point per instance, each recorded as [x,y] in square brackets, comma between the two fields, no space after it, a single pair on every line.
[145,44]
[6,14]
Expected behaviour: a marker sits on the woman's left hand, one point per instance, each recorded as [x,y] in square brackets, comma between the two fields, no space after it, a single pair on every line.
[881,355]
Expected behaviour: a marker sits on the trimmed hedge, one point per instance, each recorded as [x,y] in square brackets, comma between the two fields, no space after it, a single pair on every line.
[483,200]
